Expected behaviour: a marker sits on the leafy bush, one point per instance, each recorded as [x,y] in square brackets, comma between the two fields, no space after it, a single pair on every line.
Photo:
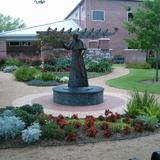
[13,62]
[98,66]
[139,102]
[34,109]
[117,127]
[147,122]
[151,111]
[8,113]
[62,64]
[68,129]
[9,69]
[31,134]
[49,67]
[139,65]
[25,73]
[24,116]
[152,62]
[52,130]
[10,127]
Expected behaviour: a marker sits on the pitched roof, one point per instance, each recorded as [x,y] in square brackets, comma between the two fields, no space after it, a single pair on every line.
[32,31]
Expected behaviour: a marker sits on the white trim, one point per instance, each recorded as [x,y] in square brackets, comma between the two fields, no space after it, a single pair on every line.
[98,11]
[130,49]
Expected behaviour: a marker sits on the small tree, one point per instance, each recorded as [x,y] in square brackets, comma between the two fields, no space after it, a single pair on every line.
[145,29]
[7,23]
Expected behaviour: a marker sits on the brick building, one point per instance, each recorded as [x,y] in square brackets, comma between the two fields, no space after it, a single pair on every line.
[107,14]
[104,14]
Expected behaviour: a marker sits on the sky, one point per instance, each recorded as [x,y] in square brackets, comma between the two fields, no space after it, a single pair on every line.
[36,14]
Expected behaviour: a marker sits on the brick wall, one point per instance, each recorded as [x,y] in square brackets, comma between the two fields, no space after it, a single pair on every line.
[115,15]
[132,55]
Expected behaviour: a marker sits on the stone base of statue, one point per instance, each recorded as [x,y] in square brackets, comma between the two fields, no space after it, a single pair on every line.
[79,96]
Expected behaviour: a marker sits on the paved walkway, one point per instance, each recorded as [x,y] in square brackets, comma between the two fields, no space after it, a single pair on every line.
[119,150]
[10,89]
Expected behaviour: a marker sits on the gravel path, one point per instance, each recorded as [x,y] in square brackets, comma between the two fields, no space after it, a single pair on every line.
[110,150]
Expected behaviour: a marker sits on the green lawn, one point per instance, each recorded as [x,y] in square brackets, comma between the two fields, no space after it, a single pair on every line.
[134,81]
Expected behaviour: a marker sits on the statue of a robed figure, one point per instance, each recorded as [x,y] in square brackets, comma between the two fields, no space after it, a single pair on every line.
[78,92]
[78,74]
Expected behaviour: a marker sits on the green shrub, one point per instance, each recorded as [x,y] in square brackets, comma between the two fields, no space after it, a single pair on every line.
[35,109]
[152,62]
[25,117]
[98,66]
[117,127]
[62,64]
[52,130]
[10,127]
[25,73]
[32,133]
[147,122]
[47,76]
[151,111]
[13,62]
[69,129]
[49,67]
[139,65]
[139,102]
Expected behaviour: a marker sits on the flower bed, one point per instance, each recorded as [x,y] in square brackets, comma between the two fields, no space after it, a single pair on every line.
[29,125]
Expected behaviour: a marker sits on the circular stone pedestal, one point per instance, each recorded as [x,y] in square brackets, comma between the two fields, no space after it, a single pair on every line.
[82,96]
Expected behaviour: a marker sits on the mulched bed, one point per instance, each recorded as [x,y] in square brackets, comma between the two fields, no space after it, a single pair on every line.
[41,83]
[81,139]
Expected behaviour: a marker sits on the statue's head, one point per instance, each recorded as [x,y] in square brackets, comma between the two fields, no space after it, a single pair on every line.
[75,36]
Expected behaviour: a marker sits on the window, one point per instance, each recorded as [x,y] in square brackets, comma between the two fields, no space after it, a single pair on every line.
[129,15]
[14,43]
[98,15]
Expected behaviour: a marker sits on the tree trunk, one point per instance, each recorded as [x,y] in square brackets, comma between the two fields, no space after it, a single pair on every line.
[157,57]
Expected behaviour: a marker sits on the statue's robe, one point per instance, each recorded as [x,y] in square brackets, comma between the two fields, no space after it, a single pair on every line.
[78,74]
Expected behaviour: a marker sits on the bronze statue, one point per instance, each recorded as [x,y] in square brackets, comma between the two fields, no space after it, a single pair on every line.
[78,74]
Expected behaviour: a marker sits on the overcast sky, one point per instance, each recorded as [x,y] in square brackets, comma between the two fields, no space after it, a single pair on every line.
[33,14]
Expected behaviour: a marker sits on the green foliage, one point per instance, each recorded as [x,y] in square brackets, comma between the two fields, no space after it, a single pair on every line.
[69,129]
[25,117]
[62,64]
[151,111]
[8,23]
[13,62]
[35,109]
[98,66]
[148,123]
[139,65]
[152,62]
[117,126]
[49,67]
[25,73]
[47,76]
[144,29]
[54,39]
[139,102]
[52,130]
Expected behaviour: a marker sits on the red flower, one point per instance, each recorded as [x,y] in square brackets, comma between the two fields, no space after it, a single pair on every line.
[75,116]
[62,123]
[89,122]
[138,126]
[77,125]
[104,125]
[71,137]
[108,133]
[91,132]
